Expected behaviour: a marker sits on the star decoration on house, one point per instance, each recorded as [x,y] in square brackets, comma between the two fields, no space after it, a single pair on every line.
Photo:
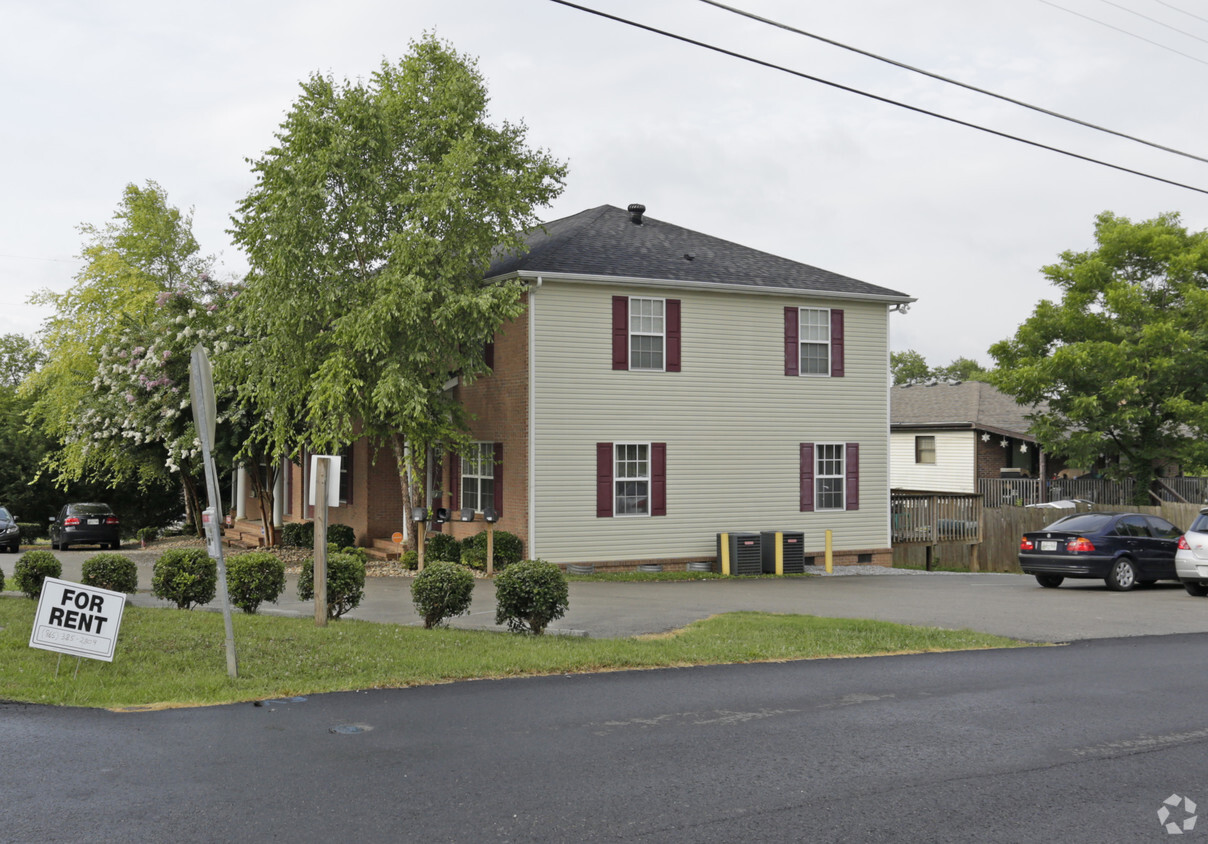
[986,437]
[1003,442]
[1023,448]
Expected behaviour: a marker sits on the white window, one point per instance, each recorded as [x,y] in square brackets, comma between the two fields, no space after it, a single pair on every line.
[924,449]
[647,333]
[478,477]
[631,479]
[828,476]
[814,335]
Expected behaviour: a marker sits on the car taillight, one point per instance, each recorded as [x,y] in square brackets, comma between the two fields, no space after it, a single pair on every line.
[1183,546]
[111,520]
[70,521]
[1025,544]
[1080,544]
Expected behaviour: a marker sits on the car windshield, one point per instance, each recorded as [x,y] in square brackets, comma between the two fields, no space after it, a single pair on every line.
[1200,524]
[4,513]
[89,510]
[1082,523]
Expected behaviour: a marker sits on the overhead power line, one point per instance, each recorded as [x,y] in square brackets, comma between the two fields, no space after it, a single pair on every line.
[950,81]
[1125,32]
[1124,8]
[685,39]
[1182,11]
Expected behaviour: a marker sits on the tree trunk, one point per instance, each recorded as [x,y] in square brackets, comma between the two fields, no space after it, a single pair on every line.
[405,486]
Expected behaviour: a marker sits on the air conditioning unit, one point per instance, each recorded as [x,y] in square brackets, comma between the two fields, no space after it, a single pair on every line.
[782,551]
[739,553]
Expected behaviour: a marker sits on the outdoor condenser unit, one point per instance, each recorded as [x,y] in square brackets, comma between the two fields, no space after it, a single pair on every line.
[739,553]
[782,551]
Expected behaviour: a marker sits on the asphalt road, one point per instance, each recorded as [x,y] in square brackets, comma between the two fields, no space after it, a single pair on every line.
[1076,743]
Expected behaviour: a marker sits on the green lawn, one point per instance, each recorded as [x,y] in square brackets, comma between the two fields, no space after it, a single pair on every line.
[168,657]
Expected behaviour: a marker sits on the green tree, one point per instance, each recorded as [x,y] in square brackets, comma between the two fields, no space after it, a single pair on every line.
[908,366]
[961,369]
[368,234]
[146,250]
[1120,357]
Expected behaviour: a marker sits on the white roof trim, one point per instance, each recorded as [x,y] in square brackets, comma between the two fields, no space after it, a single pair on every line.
[529,275]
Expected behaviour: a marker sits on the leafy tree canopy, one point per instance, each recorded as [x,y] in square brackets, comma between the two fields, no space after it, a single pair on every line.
[910,366]
[368,233]
[1120,357]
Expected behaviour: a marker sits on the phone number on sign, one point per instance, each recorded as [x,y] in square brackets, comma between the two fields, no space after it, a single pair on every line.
[63,637]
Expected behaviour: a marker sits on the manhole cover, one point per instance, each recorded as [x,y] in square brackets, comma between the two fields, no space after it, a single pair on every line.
[349,729]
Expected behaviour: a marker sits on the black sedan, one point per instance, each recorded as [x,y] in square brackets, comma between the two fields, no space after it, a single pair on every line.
[10,534]
[85,524]
[1123,549]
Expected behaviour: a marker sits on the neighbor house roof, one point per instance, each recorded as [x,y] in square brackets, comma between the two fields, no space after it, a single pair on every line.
[611,244]
[966,404]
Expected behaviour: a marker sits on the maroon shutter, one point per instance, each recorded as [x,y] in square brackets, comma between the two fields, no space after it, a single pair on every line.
[807,477]
[620,332]
[836,343]
[658,479]
[792,346]
[673,335]
[603,480]
[851,456]
[454,483]
[488,355]
[499,479]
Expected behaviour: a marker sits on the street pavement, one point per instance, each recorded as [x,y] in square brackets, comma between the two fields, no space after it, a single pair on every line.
[1005,604]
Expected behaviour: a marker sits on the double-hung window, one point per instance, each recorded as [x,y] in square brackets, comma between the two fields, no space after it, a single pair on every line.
[645,334]
[813,342]
[830,476]
[631,479]
[478,477]
[924,449]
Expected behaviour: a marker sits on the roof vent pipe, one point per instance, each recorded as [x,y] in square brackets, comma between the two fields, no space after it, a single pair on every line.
[635,213]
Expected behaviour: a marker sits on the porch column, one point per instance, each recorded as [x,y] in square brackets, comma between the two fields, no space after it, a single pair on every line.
[241,493]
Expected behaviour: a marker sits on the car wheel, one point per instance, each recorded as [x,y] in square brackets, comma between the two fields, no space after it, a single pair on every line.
[1196,588]
[1049,581]
[116,545]
[1123,575]
[63,546]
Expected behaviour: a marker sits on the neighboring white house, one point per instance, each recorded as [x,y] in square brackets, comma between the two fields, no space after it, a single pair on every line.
[945,437]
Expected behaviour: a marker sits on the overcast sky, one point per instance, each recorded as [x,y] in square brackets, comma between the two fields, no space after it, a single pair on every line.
[99,95]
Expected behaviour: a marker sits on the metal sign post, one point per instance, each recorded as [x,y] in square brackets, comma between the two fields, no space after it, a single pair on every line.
[201,386]
[321,483]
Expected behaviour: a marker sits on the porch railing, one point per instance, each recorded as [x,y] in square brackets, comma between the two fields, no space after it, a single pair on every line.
[931,519]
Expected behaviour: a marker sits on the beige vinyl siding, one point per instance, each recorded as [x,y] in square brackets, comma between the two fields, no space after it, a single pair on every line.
[732,421]
[953,470]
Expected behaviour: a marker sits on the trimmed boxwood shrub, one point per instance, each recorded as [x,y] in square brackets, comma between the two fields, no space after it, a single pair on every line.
[33,531]
[186,576]
[32,568]
[253,578]
[115,572]
[442,590]
[146,534]
[509,548]
[345,583]
[298,534]
[409,560]
[529,595]
[341,535]
[441,546]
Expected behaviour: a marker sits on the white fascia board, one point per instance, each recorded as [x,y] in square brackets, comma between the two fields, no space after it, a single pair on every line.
[528,275]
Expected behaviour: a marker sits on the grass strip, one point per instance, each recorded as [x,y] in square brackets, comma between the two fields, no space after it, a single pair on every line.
[167,657]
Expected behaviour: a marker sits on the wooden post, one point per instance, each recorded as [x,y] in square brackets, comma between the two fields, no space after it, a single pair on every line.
[490,549]
[830,557]
[321,481]
[419,545]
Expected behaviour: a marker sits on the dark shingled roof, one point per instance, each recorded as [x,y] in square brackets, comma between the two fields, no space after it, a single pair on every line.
[969,404]
[605,242]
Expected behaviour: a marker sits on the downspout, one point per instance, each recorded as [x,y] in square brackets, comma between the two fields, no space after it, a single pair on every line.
[532,421]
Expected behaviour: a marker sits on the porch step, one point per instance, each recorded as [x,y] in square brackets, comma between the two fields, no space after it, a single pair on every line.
[384,549]
[244,533]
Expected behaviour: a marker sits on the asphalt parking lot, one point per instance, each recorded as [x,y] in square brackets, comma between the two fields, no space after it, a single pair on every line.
[1005,604]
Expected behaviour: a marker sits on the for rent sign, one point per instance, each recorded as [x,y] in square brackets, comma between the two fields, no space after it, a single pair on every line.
[77,619]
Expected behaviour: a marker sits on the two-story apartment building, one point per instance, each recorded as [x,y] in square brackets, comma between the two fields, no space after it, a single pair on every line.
[661,387]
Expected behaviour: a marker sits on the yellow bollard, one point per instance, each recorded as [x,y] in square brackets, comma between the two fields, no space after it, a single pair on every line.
[779,554]
[830,556]
[725,553]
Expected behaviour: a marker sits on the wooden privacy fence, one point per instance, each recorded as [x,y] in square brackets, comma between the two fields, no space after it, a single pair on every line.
[996,546]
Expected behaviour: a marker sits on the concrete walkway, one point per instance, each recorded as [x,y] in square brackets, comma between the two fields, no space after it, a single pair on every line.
[1009,605]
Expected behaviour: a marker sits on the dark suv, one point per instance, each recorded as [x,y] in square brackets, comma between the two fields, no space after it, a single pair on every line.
[85,524]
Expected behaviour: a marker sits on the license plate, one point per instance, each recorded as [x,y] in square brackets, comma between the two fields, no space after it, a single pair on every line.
[1048,545]
[94,521]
